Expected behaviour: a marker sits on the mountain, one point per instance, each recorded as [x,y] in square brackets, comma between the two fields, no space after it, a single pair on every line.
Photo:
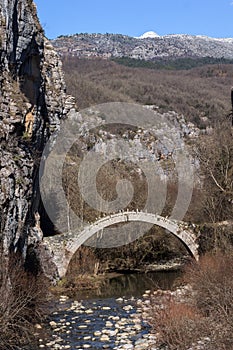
[148,47]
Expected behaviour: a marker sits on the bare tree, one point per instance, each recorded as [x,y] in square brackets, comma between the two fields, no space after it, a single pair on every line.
[215,154]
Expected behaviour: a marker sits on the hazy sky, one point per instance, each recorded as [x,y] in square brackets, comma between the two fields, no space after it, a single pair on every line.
[133,17]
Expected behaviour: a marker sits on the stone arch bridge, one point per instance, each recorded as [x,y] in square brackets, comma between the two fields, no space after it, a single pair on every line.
[65,245]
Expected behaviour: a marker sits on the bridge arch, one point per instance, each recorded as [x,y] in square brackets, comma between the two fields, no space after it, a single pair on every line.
[65,245]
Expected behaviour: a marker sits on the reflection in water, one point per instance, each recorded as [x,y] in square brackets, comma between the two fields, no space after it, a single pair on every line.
[136,284]
[133,284]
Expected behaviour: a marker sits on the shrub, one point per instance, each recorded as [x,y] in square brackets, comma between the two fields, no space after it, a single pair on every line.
[212,281]
[22,304]
[178,324]
[206,312]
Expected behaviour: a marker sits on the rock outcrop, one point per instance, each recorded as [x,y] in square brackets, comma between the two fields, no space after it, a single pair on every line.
[33,102]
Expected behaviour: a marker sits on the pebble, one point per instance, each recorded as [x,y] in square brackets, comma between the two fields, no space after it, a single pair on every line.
[120,300]
[128,346]
[38,326]
[53,324]
[104,338]
[128,307]
[87,337]
[97,333]
[89,311]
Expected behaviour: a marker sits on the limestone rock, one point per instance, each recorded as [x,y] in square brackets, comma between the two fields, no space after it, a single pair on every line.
[33,101]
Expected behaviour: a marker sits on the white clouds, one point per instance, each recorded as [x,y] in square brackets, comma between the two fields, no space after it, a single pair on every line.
[231,3]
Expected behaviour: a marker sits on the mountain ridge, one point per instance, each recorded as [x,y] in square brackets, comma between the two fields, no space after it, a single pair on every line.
[107,45]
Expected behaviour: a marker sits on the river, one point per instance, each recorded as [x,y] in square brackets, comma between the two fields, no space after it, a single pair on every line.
[110,318]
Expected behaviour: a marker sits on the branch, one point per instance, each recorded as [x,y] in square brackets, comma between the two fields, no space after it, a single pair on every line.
[216,182]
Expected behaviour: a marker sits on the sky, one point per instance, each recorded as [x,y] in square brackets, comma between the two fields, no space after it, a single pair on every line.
[213,18]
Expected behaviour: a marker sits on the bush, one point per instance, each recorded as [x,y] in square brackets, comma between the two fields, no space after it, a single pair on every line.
[206,312]
[178,324]
[22,304]
[212,281]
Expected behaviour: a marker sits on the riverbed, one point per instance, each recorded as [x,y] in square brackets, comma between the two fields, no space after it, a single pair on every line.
[111,318]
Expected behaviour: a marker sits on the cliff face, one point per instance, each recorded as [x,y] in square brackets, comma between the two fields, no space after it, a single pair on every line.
[33,102]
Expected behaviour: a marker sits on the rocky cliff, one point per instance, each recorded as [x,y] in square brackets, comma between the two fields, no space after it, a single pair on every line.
[33,102]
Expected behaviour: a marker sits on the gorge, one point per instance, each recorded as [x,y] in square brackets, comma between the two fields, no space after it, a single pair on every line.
[182,141]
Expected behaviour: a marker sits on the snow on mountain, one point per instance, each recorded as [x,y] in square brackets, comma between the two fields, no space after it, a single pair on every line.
[149,35]
[152,47]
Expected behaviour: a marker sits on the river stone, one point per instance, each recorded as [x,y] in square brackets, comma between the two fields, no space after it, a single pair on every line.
[53,324]
[57,330]
[120,300]
[118,326]
[50,344]
[123,335]
[114,318]
[82,326]
[79,311]
[128,307]
[106,308]
[97,333]
[87,337]
[89,311]
[128,346]
[104,337]
[138,327]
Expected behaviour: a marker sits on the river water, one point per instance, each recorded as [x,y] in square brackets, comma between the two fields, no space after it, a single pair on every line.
[110,318]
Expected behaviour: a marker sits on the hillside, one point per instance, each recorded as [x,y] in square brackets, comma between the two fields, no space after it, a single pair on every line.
[202,94]
[147,48]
